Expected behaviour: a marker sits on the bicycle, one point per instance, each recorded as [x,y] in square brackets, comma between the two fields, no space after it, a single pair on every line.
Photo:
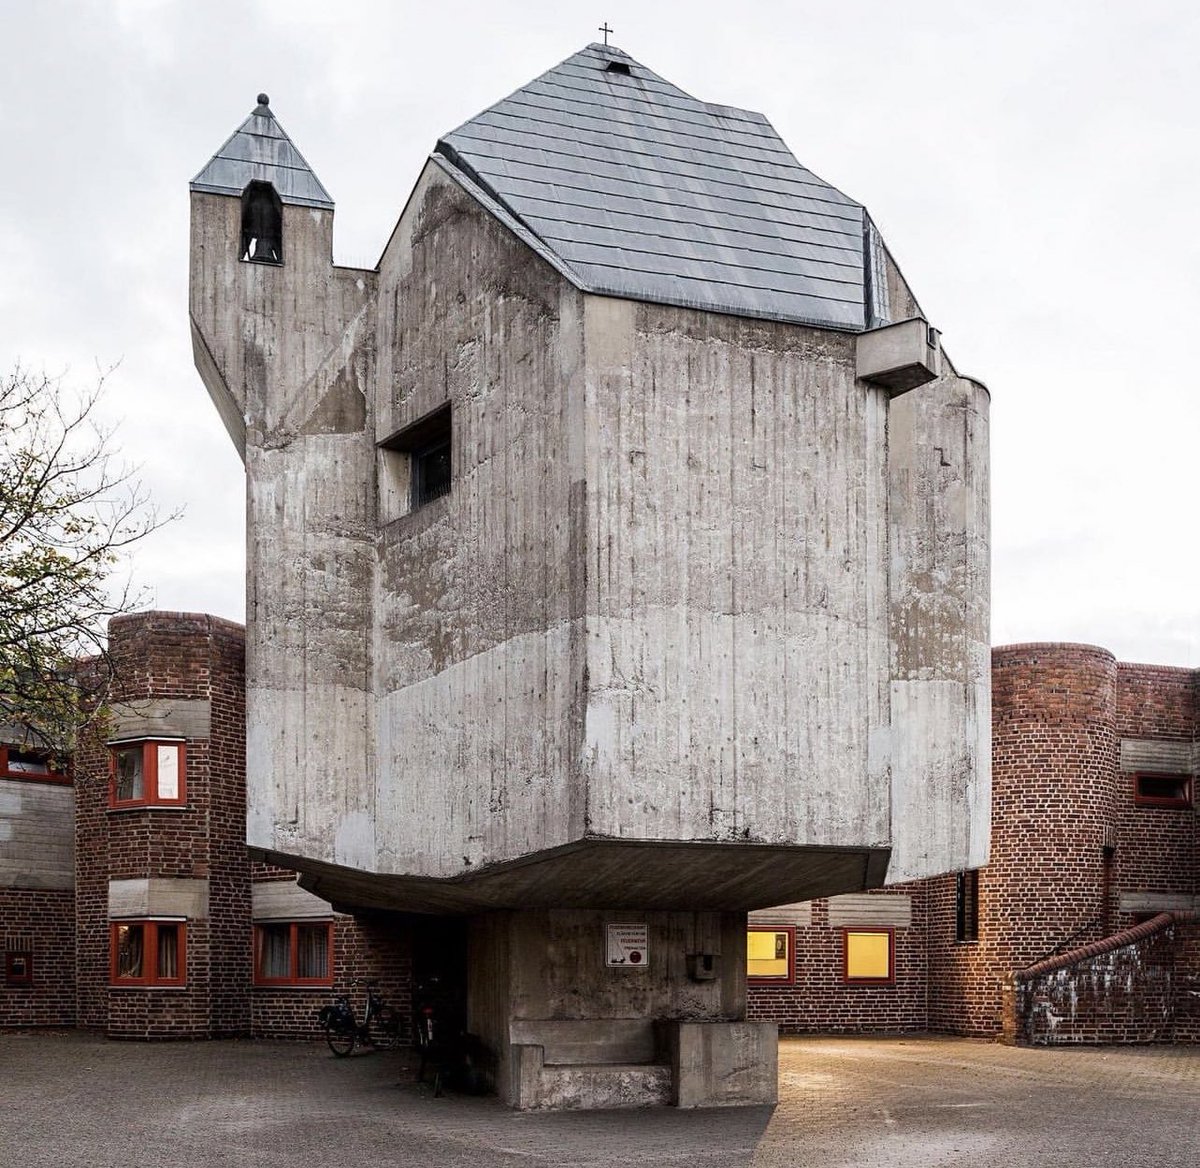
[380,1026]
[457,1058]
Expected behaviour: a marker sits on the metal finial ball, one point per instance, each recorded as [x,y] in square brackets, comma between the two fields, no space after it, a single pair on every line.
[263,99]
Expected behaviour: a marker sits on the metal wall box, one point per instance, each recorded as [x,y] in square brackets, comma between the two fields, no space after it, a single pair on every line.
[900,356]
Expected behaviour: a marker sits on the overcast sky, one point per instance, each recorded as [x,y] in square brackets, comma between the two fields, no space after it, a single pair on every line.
[1034,168]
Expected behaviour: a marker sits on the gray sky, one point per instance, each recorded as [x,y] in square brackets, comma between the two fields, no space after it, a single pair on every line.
[1032,166]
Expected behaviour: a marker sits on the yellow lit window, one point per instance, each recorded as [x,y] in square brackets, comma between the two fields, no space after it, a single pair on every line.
[770,954]
[869,954]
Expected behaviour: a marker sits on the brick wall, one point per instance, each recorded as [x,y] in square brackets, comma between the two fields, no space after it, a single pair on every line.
[822,1000]
[42,921]
[229,867]
[166,657]
[1157,848]
[364,949]
[1067,841]
[1123,990]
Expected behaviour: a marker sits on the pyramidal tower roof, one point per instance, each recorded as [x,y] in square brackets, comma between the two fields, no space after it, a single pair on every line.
[260,149]
[633,188]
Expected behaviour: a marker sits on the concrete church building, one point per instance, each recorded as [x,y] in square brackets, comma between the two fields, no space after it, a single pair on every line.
[618,563]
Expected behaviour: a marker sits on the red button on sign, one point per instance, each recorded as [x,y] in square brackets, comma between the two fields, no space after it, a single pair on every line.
[635,958]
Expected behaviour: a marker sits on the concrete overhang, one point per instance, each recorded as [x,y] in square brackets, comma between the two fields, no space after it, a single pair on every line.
[609,874]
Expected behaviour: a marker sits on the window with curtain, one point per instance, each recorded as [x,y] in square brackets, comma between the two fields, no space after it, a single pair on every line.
[293,953]
[148,953]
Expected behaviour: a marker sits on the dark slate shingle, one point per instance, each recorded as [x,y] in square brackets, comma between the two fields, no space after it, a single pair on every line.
[636,189]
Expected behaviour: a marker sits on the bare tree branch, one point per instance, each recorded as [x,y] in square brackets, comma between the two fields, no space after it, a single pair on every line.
[68,511]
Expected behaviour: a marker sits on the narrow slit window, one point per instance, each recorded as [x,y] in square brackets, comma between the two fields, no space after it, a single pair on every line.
[966,924]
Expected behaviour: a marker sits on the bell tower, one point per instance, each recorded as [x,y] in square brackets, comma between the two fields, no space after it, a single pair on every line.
[262,251]
[284,341]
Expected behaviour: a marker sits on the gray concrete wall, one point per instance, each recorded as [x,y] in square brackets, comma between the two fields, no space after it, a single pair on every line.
[694,581]
[287,354]
[37,835]
[540,979]
[479,659]
[737,648]
[282,900]
[152,897]
[731,1064]
[939,580]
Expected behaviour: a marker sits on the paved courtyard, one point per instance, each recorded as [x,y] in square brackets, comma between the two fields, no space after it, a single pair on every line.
[70,1099]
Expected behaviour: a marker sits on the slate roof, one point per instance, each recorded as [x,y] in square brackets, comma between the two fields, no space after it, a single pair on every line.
[260,149]
[633,188]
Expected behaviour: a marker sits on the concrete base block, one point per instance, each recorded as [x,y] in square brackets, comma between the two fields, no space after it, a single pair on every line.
[569,1088]
[564,1087]
[725,1064]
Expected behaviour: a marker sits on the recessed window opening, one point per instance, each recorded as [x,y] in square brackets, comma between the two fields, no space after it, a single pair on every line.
[1160,790]
[18,967]
[966,923]
[431,473]
[262,225]
[618,67]
[416,465]
[147,773]
[293,953]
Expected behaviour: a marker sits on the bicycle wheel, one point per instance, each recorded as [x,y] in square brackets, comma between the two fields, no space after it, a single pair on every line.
[340,1039]
[384,1029]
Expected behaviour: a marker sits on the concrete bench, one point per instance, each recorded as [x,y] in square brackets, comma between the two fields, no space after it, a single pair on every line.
[590,1042]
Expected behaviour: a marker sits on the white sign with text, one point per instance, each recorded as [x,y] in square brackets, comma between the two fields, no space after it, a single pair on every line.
[628,946]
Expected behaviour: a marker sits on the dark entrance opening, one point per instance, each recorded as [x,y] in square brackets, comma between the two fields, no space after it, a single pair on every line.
[262,225]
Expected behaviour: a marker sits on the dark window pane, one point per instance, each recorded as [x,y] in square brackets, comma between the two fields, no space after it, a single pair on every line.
[431,473]
[129,950]
[130,783]
[25,763]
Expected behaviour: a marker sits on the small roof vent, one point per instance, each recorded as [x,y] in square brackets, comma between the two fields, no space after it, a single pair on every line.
[617,67]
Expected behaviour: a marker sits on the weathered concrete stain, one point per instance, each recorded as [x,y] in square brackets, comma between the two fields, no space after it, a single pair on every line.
[694,580]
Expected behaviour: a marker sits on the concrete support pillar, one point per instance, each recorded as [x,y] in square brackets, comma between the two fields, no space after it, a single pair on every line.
[587,1008]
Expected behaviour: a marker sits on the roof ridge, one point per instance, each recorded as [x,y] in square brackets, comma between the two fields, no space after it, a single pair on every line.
[686,179]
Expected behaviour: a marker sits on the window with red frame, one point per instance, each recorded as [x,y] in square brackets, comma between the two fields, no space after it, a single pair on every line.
[868,956]
[293,953]
[771,954]
[148,953]
[1162,790]
[148,773]
[19,762]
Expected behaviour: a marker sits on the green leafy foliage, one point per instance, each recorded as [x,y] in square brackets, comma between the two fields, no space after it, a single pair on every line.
[69,514]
